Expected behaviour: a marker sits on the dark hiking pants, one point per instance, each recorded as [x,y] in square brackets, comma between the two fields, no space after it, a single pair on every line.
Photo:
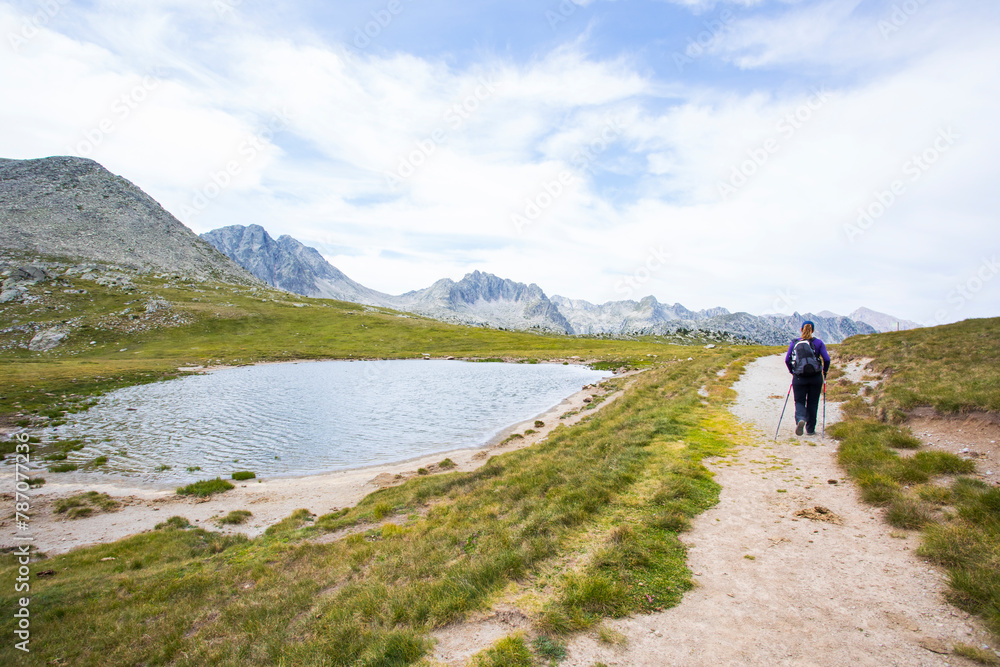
[808,393]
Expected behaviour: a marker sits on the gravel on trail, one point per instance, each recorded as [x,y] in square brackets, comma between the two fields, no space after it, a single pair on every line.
[791,568]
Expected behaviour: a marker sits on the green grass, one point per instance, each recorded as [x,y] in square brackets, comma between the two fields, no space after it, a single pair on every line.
[236,517]
[550,650]
[243,475]
[952,369]
[205,488]
[508,652]
[867,453]
[85,504]
[369,598]
[982,656]
[611,637]
[174,523]
[458,540]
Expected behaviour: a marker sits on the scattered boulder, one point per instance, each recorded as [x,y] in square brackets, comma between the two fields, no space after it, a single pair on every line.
[119,280]
[26,274]
[48,339]
[92,270]
[15,293]
[157,306]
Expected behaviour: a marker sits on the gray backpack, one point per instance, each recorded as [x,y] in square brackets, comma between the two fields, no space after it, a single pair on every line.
[805,362]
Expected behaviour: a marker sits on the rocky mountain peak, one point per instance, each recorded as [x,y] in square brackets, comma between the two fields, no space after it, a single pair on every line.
[74,208]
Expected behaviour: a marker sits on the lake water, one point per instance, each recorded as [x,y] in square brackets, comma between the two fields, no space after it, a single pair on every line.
[300,418]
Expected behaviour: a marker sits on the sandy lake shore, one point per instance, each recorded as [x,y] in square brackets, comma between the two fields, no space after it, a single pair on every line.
[269,499]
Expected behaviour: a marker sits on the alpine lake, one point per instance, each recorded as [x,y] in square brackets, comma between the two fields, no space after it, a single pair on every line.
[293,419]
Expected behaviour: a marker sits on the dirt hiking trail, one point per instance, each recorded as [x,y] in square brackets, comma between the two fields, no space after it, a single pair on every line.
[837,586]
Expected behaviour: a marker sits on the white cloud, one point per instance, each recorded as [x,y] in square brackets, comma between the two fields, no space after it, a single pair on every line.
[483,139]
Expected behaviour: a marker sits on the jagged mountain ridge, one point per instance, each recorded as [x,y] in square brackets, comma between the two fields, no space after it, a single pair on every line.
[287,264]
[625,317]
[479,298]
[74,208]
[487,300]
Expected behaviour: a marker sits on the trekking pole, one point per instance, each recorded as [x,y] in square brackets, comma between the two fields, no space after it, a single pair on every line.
[783,414]
[824,406]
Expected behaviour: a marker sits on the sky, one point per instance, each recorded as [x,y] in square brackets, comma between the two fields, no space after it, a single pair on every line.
[760,155]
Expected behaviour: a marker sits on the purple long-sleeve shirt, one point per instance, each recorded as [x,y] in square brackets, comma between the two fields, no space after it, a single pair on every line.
[818,346]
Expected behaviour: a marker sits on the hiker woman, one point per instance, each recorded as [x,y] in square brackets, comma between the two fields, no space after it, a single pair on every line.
[808,362]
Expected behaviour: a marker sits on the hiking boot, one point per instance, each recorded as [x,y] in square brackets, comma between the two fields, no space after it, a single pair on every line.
[801,426]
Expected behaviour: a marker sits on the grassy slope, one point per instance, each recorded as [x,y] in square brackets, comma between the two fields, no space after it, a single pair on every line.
[952,368]
[627,479]
[190,596]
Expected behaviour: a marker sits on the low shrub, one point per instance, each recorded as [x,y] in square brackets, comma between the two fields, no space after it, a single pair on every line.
[173,523]
[205,488]
[84,504]
[235,518]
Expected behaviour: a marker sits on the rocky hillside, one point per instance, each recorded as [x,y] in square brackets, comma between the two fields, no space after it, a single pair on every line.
[74,208]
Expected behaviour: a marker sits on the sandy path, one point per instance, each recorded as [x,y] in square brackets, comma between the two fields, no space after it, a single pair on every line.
[814,593]
[270,500]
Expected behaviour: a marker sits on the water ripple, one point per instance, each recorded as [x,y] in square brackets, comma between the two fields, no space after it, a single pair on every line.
[290,419]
